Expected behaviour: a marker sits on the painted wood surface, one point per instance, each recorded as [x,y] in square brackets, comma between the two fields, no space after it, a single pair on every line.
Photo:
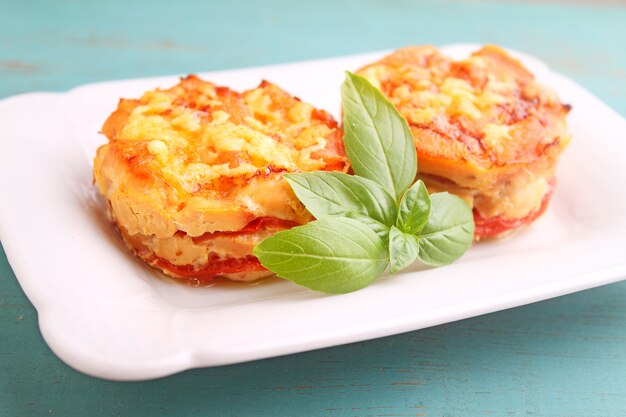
[563,357]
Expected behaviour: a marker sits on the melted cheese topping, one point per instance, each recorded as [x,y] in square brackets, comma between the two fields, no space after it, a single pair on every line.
[489,105]
[192,143]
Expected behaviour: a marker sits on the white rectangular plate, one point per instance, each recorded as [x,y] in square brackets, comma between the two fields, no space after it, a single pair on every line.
[107,315]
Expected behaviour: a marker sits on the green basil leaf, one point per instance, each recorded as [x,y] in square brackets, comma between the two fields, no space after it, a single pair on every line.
[403,249]
[377,138]
[334,255]
[414,209]
[337,194]
[449,231]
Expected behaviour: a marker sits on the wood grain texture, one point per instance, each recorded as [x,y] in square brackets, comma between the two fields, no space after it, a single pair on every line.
[563,357]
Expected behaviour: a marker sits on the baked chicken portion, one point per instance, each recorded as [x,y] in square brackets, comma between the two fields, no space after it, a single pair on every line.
[484,129]
[192,174]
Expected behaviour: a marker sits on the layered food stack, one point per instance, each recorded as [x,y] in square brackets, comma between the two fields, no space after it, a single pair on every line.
[484,129]
[192,174]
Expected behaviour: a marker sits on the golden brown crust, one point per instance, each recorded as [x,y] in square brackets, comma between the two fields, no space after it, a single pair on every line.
[197,159]
[483,127]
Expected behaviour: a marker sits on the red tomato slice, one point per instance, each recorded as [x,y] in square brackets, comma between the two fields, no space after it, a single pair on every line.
[497,225]
[215,267]
[219,266]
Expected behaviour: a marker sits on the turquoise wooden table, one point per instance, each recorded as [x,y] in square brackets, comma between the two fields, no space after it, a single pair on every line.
[563,357]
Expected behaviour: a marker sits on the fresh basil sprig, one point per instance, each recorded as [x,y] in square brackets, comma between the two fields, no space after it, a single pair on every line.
[373,219]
